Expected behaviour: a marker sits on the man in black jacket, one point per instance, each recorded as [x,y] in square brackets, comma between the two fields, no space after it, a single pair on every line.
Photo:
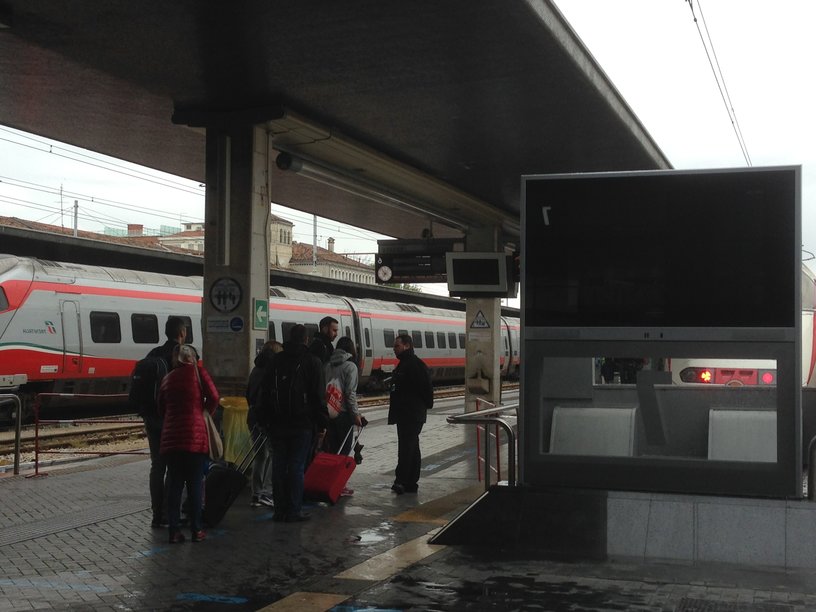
[322,346]
[296,411]
[411,398]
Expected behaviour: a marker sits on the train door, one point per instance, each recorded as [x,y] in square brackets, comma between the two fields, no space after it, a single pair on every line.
[366,346]
[505,338]
[71,339]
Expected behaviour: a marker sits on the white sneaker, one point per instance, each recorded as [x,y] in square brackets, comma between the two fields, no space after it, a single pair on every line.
[266,500]
[255,502]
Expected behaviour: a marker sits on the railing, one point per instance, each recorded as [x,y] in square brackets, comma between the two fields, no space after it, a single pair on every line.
[493,416]
[38,422]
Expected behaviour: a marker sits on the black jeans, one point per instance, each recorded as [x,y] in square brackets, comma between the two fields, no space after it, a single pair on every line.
[185,469]
[409,457]
[158,470]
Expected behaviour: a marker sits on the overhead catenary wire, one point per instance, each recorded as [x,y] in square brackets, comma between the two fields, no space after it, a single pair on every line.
[708,46]
[47,147]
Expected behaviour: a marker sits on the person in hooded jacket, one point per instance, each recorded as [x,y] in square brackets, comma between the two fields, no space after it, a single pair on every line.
[341,396]
[261,482]
[411,398]
[292,431]
[185,393]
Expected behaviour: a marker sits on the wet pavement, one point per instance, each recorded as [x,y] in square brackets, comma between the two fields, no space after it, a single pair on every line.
[80,539]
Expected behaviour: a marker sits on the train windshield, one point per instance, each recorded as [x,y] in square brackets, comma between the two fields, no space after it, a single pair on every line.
[4,303]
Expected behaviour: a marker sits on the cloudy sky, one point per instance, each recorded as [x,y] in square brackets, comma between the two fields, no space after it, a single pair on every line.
[650,49]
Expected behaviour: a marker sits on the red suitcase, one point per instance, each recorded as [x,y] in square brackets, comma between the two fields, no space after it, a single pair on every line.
[327,475]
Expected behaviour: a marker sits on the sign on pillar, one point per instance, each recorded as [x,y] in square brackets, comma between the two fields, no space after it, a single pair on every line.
[482,363]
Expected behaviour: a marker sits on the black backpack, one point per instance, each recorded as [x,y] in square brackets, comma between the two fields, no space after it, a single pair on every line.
[144,385]
[282,396]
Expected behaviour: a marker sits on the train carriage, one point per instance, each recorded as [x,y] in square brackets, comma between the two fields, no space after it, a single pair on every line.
[73,328]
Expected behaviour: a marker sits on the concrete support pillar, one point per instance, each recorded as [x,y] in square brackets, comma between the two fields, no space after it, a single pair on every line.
[483,329]
[236,270]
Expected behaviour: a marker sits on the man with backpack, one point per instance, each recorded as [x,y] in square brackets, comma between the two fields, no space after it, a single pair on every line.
[293,406]
[144,392]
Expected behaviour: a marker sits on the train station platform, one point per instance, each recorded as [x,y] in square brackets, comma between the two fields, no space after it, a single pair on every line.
[80,539]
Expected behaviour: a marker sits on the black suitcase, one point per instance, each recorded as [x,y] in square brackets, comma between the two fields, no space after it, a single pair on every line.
[224,482]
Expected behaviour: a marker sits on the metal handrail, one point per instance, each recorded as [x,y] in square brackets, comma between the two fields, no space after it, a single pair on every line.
[490,417]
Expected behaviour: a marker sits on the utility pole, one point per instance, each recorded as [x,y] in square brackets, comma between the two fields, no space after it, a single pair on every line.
[314,243]
[76,216]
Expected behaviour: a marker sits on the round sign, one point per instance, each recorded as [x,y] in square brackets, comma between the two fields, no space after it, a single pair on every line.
[225,294]
[236,324]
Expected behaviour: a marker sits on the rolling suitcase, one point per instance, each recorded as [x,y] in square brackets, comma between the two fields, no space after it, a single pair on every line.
[224,483]
[328,474]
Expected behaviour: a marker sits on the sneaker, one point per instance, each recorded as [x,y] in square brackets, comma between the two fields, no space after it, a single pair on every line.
[199,535]
[256,502]
[266,500]
[176,537]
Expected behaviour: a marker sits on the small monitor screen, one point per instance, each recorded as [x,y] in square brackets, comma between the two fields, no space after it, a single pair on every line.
[668,248]
[476,271]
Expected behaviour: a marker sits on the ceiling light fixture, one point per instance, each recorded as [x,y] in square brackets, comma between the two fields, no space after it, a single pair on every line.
[328,156]
[334,177]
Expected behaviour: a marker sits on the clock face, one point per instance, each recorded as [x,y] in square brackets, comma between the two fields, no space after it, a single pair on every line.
[384,273]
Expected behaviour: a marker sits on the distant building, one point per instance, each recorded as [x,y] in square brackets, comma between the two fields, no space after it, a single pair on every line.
[283,252]
[280,242]
[329,264]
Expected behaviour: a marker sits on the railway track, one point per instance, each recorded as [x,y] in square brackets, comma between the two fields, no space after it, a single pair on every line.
[95,432]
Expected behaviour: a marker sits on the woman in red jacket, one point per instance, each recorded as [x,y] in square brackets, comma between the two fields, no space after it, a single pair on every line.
[185,392]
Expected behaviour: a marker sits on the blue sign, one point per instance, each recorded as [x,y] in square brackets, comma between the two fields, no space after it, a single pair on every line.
[236,324]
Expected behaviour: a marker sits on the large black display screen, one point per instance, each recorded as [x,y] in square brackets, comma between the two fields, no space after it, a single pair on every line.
[667,248]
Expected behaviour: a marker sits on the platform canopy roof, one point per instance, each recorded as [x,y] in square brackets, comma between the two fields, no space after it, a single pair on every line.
[440,106]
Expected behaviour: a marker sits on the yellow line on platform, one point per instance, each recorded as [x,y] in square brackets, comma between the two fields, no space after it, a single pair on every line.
[306,602]
[391,562]
[434,511]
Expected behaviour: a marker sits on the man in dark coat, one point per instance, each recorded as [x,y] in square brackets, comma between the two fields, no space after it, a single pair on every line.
[411,398]
[176,331]
[292,429]
[322,346]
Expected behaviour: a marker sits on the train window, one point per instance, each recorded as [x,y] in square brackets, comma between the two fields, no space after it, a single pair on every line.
[188,323]
[271,331]
[105,327]
[440,339]
[367,338]
[452,339]
[388,337]
[286,327]
[429,340]
[417,338]
[4,303]
[402,332]
[348,331]
[145,328]
[312,330]
[462,340]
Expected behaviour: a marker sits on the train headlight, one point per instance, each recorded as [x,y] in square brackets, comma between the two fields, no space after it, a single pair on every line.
[767,377]
[697,375]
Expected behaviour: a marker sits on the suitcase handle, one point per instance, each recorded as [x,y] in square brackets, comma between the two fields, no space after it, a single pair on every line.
[357,437]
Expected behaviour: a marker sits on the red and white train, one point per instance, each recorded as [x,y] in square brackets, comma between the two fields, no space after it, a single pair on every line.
[739,372]
[79,329]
